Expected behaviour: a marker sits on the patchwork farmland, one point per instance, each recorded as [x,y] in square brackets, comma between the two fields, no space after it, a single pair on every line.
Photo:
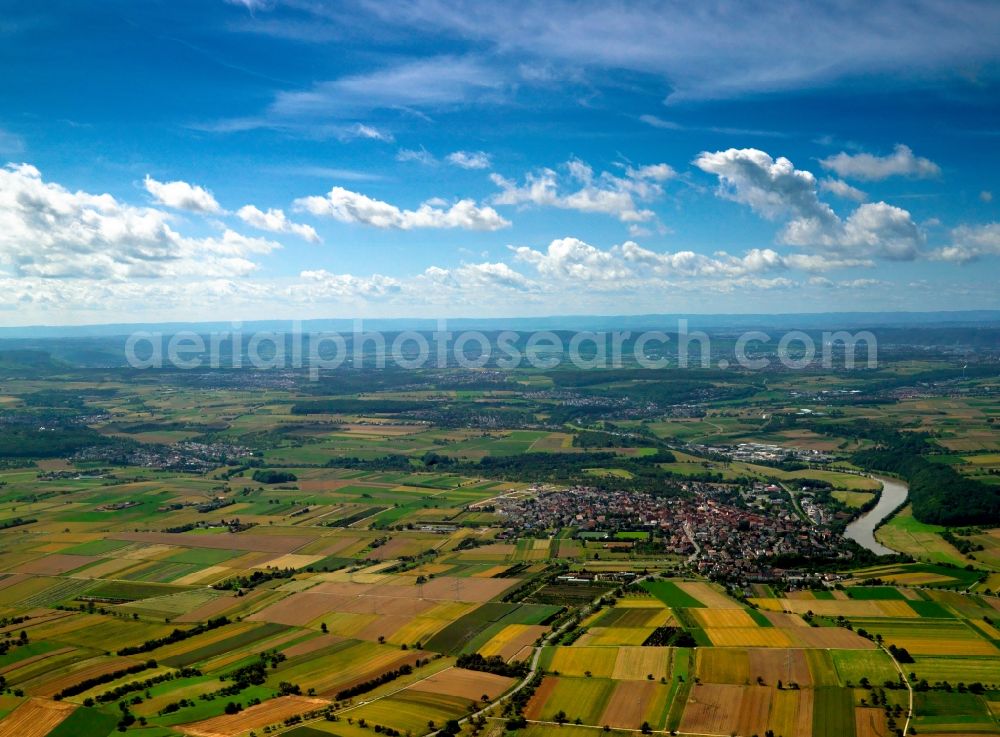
[229,562]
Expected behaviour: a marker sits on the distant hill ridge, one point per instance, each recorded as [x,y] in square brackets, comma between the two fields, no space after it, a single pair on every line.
[803,320]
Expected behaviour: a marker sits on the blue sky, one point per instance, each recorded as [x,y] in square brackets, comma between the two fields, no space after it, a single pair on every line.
[258,159]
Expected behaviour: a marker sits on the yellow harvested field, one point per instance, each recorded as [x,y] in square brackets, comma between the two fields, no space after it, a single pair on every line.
[708,595]
[490,572]
[511,639]
[640,602]
[290,560]
[709,618]
[209,574]
[348,625]
[896,609]
[834,608]
[638,663]
[35,718]
[987,629]
[792,713]
[716,665]
[945,646]
[614,636]
[749,637]
[915,578]
[418,629]
[449,610]
[386,626]
[577,661]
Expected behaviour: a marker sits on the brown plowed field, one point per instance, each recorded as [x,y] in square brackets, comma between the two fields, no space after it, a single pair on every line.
[222,541]
[625,709]
[785,665]
[271,711]
[35,718]
[466,684]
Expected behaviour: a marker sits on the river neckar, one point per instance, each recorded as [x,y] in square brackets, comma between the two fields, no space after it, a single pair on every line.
[862,530]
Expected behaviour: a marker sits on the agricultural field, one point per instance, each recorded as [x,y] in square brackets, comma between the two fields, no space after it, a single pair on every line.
[394,554]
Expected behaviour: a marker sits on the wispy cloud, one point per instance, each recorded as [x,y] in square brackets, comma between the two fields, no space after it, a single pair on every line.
[412,87]
[657,122]
[842,189]
[418,155]
[869,167]
[724,49]
[432,82]
[328,172]
[470,159]
[10,143]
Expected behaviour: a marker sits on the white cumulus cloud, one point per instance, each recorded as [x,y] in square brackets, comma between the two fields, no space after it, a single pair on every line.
[775,189]
[475,277]
[573,260]
[48,231]
[970,243]
[605,193]
[182,196]
[320,284]
[275,221]
[353,207]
